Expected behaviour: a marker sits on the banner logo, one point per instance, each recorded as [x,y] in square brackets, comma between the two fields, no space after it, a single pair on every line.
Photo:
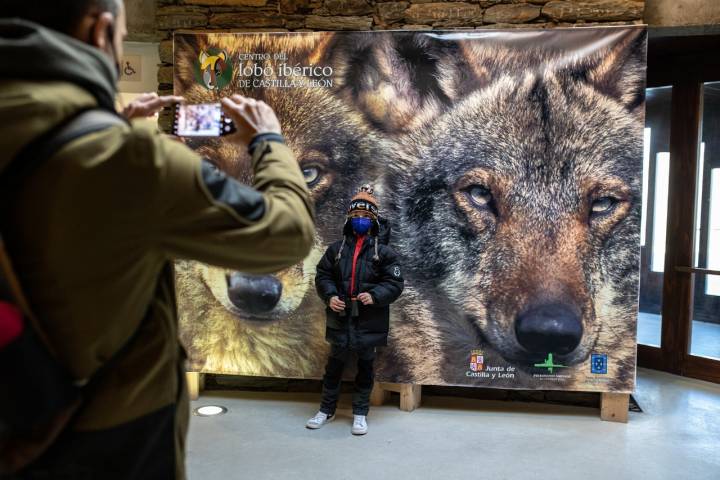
[477,361]
[599,363]
[550,364]
[214,69]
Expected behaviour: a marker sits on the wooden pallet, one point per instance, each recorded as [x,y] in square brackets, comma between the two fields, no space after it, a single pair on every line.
[410,395]
[613,406]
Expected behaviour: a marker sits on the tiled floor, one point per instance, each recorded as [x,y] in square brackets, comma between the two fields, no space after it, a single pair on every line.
[262,437]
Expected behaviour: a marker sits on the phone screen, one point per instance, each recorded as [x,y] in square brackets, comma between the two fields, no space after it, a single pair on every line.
[202,120]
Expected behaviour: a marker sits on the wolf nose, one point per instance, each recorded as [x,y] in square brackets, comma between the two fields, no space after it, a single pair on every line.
[550,328]
[254,294]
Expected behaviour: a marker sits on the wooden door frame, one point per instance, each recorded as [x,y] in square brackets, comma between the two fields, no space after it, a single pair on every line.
[685,63]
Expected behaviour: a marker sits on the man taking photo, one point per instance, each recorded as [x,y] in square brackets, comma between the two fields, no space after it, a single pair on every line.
[93,229]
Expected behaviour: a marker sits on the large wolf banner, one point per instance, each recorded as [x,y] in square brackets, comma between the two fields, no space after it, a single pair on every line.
[509,164]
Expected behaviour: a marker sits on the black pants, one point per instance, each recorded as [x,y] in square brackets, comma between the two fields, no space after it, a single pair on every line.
[141,449]
[151,447]
[363,381]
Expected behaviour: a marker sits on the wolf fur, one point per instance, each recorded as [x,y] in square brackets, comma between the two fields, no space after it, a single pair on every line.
[337,152]
[524,193]
[510,173]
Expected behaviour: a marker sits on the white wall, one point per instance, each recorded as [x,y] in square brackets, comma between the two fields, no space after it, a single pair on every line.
[146,77]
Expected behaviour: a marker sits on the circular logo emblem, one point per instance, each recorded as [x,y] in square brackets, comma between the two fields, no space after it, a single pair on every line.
[214,69]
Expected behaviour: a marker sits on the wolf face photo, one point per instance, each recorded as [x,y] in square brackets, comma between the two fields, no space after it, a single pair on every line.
[518,215]
[271,325]
[509,166]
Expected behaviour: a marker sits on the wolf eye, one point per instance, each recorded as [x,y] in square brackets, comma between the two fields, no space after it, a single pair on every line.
[312,175]
[480,196]
[603,205]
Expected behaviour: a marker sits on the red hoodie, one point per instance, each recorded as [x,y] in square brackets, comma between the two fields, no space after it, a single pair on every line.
[360,239]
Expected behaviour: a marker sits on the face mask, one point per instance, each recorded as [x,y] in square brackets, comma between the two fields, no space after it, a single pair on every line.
[361,225]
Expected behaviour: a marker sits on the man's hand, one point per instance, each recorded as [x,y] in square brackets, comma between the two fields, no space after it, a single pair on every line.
[337,305]
[366,298]
[251,118]
[148,104]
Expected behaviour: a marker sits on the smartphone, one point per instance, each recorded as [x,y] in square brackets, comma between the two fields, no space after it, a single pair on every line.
[201,120]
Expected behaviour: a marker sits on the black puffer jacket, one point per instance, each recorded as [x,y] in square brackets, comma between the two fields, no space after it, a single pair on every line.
[381,278]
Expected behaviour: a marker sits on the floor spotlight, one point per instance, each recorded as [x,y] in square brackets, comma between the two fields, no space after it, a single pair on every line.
[209,410]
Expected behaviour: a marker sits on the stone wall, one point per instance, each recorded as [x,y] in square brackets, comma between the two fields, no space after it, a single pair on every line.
[141,20]
[676,13]
[306,15]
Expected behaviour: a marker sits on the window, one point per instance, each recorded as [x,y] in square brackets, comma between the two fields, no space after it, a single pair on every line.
[680,303]
[662,182]
[653,222]
[646,175]
[698,206]
[705,341]
[712,285]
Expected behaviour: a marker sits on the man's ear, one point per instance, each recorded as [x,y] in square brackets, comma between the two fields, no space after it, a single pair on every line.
[101,34]
[399,81]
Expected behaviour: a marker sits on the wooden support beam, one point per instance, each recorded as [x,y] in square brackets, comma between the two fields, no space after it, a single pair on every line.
[410,394]
[379,395]
[195,383]
[614,407]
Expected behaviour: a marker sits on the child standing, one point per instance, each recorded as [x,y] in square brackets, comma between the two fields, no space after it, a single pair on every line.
[357,278]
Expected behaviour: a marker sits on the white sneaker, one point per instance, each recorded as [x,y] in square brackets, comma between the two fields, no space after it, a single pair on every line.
[359,425]
[319,420]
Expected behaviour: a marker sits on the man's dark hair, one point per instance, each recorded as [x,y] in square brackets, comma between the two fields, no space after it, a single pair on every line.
[61,15]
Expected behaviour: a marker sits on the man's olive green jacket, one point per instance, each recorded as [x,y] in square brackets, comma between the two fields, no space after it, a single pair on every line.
[94,230]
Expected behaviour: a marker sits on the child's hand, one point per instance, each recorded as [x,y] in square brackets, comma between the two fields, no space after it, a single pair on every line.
[336,305]
[366,298]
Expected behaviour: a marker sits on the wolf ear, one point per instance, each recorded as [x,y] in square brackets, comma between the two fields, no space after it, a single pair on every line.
[398,81]
[185,58]
[619,71]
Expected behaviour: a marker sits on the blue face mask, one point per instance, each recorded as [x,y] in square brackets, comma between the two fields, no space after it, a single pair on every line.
[361,225]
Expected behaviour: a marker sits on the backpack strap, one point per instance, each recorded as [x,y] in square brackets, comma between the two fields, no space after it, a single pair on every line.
[24,164]
[49,143]
[10,285]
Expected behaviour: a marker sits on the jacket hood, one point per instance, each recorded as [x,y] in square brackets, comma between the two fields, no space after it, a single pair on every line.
[380,229]
[32,52]
[384,231]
